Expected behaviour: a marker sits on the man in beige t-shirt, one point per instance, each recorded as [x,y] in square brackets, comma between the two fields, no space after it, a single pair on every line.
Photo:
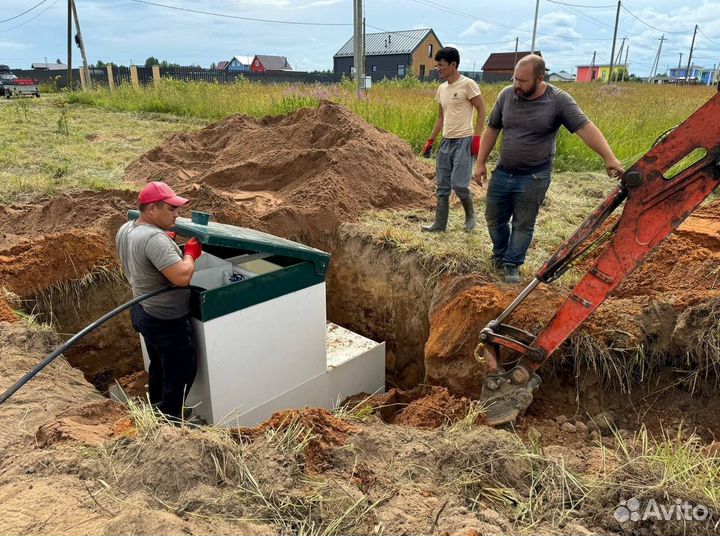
[457,97]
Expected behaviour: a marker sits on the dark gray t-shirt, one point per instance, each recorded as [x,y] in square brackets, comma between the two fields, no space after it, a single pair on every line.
[145,250]
[529,127]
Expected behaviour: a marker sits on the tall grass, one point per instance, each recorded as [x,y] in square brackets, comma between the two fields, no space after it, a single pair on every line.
[630,115]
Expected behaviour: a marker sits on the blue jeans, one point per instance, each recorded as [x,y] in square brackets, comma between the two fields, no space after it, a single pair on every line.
[513,203]
[453,166]
[173,363]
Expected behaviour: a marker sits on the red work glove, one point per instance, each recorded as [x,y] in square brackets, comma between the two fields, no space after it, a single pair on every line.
[193,248]
[171,234]
[428,148]
[475,147]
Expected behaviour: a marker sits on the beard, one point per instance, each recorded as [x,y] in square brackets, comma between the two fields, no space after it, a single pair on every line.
[526,94]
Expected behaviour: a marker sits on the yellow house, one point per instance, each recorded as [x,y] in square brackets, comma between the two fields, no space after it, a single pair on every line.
[619,72]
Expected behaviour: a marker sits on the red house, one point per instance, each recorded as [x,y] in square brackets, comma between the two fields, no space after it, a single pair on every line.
[587,73]
[262,63]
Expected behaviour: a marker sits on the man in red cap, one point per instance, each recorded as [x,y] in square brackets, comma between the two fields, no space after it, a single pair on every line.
[152,260]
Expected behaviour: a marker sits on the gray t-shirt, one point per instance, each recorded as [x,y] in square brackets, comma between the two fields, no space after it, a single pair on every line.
[530,127]
[145,250]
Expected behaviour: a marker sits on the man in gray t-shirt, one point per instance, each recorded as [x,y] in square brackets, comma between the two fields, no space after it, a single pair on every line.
[152,261]
[529,113]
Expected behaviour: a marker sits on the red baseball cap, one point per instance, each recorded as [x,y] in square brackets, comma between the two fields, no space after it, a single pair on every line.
[159,191]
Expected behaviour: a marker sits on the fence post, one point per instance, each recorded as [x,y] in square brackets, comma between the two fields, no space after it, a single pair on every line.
[134,80]
[111,79]
[156,75]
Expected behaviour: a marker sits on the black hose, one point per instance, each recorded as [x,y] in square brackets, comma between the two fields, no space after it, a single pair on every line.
[75,338]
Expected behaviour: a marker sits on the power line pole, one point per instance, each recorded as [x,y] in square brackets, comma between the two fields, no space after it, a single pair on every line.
[517,39]
[677,74]
[85,75]
[612,53]
[69,43]
[653,70]
[592,66]
[687,72]
[357,44]
[625,68]
[537,10]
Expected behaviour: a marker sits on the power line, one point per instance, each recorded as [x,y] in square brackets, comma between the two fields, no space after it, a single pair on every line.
[26,11]
[483,44]
[30,19]
[440,7]
[650,25]
[706,37]
[580,5]
[238,17]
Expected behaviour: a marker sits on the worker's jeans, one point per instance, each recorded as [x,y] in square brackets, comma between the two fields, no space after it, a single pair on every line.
[513,203]
[173,364]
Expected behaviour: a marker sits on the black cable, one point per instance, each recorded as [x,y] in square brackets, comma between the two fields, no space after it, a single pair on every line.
[26,11]
[75,338]
[29,20]
[273,21]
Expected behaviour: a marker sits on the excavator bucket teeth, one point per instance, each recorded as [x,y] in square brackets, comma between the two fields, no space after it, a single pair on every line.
[506,400]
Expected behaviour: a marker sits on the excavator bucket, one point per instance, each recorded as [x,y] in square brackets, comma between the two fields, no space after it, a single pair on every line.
[504,397]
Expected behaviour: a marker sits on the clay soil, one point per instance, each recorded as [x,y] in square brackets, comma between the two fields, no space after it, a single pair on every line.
[404,462]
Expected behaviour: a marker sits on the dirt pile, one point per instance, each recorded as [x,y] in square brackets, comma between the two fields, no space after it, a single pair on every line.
[298,175]
[317,427]
[91,424]
[58,257]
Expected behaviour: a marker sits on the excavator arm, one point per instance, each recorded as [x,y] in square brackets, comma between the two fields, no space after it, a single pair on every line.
[659,191]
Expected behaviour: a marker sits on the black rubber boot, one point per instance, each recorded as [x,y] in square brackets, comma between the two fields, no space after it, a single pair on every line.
[467,203]
[441,215]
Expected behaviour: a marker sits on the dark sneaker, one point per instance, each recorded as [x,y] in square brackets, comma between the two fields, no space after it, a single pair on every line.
[512,274]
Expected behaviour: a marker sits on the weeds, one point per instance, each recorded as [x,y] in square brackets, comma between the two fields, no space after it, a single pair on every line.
[631,119]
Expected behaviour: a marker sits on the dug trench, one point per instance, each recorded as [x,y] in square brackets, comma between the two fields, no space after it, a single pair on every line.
[645,363]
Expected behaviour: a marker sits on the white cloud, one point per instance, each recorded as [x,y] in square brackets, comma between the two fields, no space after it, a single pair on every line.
[476,28]
[557,19]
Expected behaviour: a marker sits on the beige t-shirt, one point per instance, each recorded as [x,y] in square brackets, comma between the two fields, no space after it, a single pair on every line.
[457,108]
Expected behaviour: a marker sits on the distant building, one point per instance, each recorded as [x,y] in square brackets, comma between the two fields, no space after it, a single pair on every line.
[239,64]
[221,65]
[49,66]
[678,74]
[591,73]
[709,76]
[561,76]
[658,79]
[393,55]
[264,63]
[500,66]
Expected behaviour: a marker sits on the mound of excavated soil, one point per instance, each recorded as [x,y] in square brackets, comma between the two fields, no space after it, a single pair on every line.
[324,432]
[298,175]
[91,424]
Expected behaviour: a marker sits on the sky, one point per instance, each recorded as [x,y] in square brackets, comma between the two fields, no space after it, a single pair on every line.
[568,31]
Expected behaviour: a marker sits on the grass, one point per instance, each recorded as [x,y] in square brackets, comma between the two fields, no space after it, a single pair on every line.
[571,198]
[48,146]
[244,489]
[631,115]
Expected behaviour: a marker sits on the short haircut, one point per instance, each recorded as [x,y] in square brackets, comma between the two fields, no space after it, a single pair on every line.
[449,54]
[537,62]
[142,207]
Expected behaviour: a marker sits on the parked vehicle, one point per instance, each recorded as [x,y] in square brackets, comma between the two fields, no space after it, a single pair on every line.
[12,86]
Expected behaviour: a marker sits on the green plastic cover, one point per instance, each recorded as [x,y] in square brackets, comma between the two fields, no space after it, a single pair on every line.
[230,236]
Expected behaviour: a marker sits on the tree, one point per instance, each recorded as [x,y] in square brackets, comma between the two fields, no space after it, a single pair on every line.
[152,60]
[100,64]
